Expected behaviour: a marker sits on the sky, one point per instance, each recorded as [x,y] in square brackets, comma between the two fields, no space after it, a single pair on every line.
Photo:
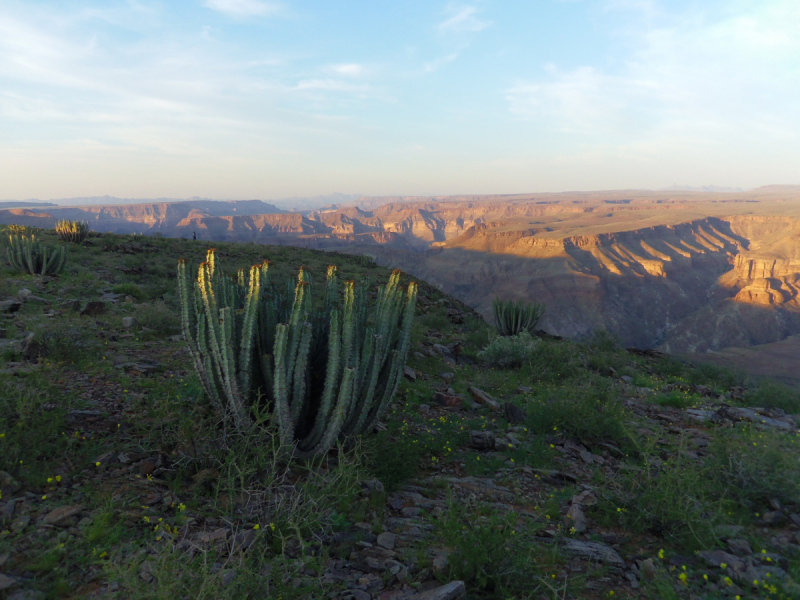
[270,99]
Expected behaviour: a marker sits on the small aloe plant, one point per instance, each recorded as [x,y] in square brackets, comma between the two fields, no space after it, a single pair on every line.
[512,318]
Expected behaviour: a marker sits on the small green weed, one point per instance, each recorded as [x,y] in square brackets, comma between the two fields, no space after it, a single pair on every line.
[392,458]
[129,289]
[676,399]
[159,317]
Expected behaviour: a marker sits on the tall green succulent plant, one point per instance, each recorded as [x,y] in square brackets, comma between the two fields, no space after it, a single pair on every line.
[327,372]
[512,318]
[27,255]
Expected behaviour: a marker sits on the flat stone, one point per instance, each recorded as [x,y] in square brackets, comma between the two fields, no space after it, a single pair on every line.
[6,582]
[740,547]
[218,535]
[62,513]
[451,591]
[734,413]
[575,519]
[20,523]
[647,569]
[386,540]
[228,577]
[446,399]
[244,539]
[24,293]
[716,558]
[773,517]
[482,440]
[483,398]
[10,306]
[93,309]
[443,351]
[129,322]
[8,485]
[514,414]
[408,373]
[594,551]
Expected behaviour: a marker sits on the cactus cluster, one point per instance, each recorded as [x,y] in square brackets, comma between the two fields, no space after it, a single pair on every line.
[366,260]
[27,255]
[512,318]
[72,231]
[326,372]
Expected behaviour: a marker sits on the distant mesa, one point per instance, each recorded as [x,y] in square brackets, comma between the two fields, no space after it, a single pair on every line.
[24,204]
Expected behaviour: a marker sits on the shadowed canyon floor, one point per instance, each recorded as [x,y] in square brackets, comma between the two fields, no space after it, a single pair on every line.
[684,272]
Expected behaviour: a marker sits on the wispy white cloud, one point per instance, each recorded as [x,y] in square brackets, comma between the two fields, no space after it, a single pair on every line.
[685,75]
[331,85]
[243,8]
[349,69]
[462,18]
[436,63]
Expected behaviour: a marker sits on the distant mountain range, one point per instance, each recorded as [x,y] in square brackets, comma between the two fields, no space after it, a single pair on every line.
[294,203]
[702,188]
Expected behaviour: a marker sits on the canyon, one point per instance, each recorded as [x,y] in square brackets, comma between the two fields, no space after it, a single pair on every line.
[691,273]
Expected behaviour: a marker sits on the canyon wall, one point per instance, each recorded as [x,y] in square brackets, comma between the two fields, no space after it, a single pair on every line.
[684,273]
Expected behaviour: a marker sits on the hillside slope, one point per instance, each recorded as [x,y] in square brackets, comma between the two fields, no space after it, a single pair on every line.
[582,470]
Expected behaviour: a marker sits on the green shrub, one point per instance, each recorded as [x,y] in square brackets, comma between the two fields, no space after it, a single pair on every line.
[588,410]
[603,341]
[512,318]
[436,320]
[755,466]
[552,361]
[774,395]
[707,374]
[489,552]
[508,352]
[69,344]
[677,501]
[393,459]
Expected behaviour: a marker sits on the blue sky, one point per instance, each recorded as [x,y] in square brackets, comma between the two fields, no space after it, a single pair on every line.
[263,99]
